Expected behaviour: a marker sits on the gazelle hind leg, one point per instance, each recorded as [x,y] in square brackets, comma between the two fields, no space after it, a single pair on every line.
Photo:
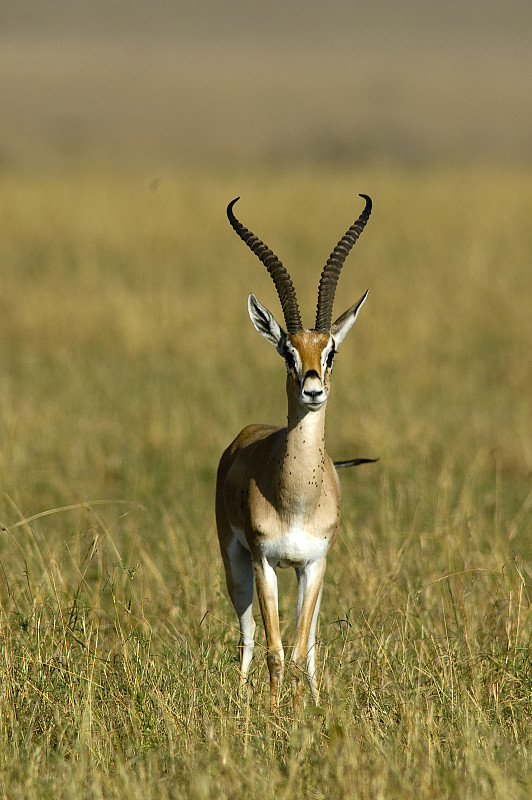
[239,575]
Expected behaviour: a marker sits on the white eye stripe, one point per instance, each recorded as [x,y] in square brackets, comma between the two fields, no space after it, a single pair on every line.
[327,356]
[292,359]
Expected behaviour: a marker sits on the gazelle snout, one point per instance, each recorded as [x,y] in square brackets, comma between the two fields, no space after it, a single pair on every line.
[313,392]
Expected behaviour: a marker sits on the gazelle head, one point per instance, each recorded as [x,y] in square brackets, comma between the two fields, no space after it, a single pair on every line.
[308,354]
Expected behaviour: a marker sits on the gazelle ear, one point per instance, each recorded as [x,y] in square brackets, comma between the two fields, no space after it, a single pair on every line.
[343,324]
[265,323]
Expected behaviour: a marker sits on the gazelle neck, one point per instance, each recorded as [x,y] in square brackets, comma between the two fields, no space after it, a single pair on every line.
[300,471]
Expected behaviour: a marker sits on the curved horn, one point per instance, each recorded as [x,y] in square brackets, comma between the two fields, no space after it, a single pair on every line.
[281,278]
[331,270]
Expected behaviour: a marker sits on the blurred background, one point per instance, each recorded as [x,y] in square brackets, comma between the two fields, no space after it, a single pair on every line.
[136,82]
[128,363]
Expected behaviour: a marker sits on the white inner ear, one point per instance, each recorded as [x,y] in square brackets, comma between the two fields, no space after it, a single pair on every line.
[266,324]
[345,322]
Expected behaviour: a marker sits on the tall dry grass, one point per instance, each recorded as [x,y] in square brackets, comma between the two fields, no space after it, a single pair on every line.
[128,363]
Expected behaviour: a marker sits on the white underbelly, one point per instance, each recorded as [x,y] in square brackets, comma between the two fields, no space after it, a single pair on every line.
[295,548]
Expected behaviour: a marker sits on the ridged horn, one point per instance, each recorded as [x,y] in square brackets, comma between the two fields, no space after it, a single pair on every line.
[331,270]
[281,278]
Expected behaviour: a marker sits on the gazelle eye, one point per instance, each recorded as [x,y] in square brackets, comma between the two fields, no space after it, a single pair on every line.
[290,361]
[330,357]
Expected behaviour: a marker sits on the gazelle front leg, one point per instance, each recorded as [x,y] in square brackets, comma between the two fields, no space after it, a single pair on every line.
[310,585]
[266,582]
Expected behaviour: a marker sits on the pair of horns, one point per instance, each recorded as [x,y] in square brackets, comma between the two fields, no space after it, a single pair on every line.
[283,282]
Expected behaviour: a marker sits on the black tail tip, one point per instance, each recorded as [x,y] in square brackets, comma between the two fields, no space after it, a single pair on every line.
[354,462]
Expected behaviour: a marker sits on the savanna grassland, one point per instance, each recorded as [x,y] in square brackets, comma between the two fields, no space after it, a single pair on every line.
[128,363]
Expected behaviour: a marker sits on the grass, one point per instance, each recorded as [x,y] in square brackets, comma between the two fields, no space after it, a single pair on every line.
[128,363]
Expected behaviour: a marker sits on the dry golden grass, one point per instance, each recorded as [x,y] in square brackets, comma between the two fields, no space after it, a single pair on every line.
[128,363]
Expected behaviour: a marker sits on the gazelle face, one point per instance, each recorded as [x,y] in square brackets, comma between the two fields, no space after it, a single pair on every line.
[308,354]
[309,357]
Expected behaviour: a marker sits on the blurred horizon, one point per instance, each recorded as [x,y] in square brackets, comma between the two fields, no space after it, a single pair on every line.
[339,82]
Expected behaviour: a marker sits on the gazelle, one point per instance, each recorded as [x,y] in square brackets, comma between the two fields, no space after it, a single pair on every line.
[277,493]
